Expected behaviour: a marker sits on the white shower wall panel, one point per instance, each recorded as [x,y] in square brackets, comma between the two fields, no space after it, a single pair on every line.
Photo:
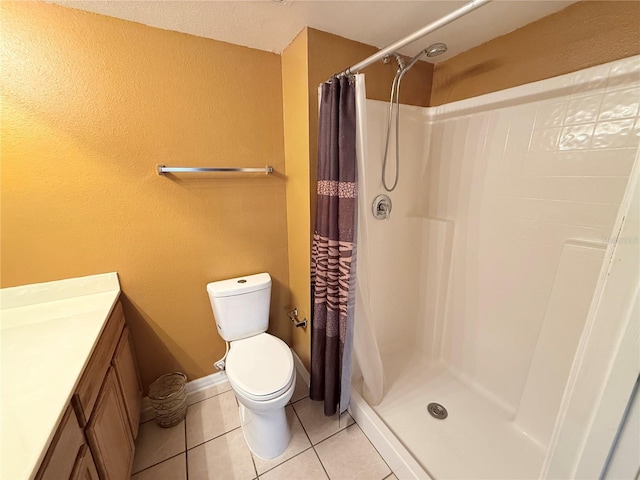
[520,177]
[394,244]
[481,278]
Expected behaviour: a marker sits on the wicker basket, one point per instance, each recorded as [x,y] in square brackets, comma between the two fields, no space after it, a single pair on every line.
[169,399]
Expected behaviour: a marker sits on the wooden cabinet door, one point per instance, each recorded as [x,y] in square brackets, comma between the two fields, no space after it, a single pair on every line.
[67,442]
[124,362]
[86,395]
[109,433]
[85,468]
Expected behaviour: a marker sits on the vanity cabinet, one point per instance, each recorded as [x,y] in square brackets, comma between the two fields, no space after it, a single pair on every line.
[109,433]
[126,370]
[85,468]
[95,440]
[67,447]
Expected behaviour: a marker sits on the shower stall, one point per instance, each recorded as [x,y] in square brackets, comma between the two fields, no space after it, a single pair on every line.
[479,290]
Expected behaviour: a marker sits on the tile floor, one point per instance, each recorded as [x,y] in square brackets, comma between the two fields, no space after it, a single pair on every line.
[209,444]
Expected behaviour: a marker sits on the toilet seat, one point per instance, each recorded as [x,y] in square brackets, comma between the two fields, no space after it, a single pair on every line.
[260,367]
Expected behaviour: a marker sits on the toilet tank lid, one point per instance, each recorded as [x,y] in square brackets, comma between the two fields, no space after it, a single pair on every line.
[239,285]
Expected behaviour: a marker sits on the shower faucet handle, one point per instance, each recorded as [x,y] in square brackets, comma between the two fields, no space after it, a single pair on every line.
[382,207]
[383,210]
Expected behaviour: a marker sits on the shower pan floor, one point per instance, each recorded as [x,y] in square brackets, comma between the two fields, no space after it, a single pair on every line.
[476,441]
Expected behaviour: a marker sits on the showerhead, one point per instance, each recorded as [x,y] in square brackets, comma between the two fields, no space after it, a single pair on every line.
[435,49]
[431,51]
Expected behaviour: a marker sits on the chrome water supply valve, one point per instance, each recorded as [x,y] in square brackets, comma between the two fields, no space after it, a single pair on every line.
[293,316]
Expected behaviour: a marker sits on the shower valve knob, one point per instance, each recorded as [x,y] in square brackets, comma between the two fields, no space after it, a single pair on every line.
[382,207]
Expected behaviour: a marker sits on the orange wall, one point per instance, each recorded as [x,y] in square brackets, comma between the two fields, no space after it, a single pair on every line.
[330,54]
[90,105]
[582,35]
[296,139]
[308,61]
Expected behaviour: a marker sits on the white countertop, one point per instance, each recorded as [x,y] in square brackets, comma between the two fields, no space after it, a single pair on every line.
[47,334]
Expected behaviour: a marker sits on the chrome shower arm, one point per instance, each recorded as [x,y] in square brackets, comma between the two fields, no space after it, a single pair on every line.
[417,35]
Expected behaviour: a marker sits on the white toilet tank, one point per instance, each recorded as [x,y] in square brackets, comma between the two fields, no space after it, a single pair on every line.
[241,305]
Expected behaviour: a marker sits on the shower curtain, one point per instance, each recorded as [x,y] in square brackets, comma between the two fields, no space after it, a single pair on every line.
[333,250]
[368,361]
[339,320]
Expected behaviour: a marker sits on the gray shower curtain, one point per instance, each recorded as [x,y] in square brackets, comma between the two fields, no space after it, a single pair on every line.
[333,250]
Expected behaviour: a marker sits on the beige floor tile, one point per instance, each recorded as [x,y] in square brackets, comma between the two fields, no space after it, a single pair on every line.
[305,466]
[225,457]
[173,469]
[208,392]
[299,442]
[349,455]
[391,477]
[211,417]
[155,444]
[301,391]
[317,426]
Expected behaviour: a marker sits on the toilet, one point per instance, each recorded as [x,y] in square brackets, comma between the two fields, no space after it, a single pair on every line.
[259,366]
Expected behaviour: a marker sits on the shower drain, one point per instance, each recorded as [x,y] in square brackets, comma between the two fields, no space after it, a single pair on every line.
[437,411]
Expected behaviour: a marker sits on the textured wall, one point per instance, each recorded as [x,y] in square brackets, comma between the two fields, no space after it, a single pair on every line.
[329,54]
[90,104]
[296,134]
[582,35]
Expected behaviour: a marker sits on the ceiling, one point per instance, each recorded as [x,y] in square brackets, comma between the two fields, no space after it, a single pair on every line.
[272,24]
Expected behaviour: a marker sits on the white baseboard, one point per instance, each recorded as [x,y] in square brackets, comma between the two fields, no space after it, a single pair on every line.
[201,384]
[146,410]
[193,387]
[302,371]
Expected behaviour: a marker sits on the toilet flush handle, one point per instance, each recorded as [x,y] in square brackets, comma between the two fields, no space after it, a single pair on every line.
[293,316]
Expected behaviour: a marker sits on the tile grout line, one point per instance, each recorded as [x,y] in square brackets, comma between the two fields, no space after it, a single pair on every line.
[365,436]
[213,438]
[207,398]
[312,445]
[340,431]
[253,462]
[157,463]
[189,405]
[374,447]
[287,460]
[186,460]
[255,469]
[294,456]
[187,449]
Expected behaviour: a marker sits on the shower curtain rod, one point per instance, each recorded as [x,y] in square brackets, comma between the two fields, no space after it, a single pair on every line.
[432,27]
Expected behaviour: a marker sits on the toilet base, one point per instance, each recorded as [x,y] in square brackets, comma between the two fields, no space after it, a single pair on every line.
[267,435]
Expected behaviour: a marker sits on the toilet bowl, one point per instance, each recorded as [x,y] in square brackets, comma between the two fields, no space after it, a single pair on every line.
[261,373]
[259,366]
